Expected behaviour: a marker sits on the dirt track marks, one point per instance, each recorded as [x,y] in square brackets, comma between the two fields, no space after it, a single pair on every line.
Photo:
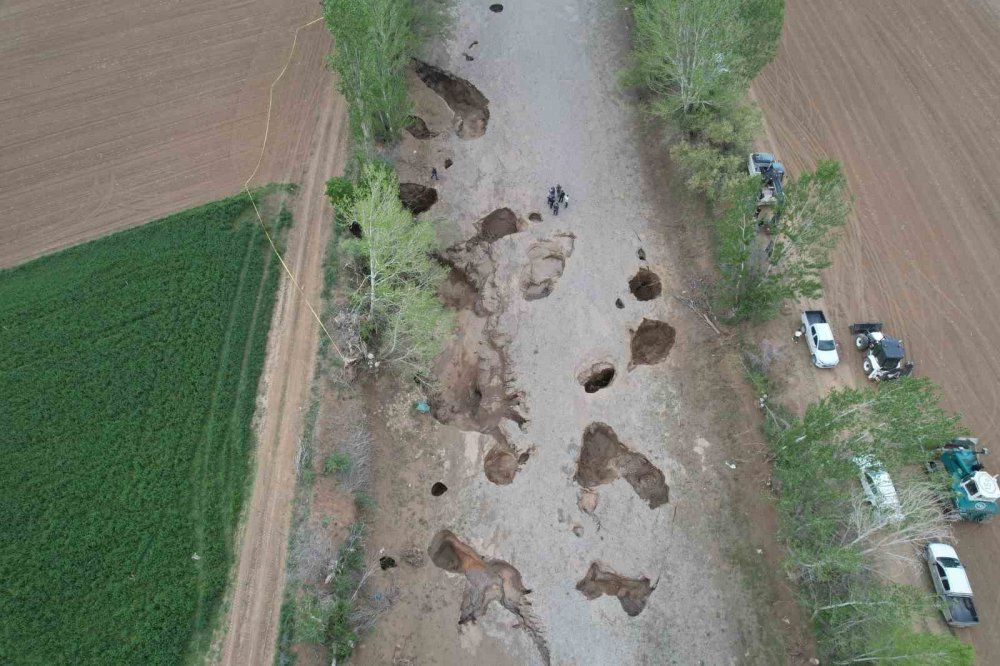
[319,145]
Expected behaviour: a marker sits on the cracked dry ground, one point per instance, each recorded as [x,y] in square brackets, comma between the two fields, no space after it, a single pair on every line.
[570,487]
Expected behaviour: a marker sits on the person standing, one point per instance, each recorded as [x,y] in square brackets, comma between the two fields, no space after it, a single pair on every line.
[552,197]
[565,200]
[434,173]
[559,194]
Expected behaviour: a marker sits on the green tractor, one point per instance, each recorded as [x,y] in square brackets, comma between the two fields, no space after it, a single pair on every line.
[974,492]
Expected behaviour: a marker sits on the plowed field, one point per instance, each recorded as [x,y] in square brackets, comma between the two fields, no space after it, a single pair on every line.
[115,113]
[904,93]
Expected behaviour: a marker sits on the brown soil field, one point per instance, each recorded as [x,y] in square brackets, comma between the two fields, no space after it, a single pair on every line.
[113,114]
[904,93]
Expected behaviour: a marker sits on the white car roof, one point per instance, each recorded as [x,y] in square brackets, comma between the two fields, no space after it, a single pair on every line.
[958,581]
[824,331]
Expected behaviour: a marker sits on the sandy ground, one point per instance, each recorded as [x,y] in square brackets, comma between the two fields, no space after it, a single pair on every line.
[113,113]
[905,94]
[556,115]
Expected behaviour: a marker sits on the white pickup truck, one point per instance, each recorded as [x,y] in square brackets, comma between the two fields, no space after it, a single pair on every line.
[819,339]
[952,585]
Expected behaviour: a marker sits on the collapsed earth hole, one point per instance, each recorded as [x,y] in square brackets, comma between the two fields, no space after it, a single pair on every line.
[457,290]
[487,581]
[448,162]
[386,562]
[496,8]
[438,489]
[501,222]
[596,377]
[604,458]
[620,304]
[546,262]
[418,128]
[651,342]
[535,217]
[417,198]
[471,108]
[645,285]
[632,593]
[502,464]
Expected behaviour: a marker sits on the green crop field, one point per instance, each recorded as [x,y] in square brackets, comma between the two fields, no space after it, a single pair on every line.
[128,376]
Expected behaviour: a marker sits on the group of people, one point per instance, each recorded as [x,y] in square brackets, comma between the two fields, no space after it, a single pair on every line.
[557,198]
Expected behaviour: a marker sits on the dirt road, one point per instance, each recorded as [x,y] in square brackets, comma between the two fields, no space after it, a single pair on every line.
[113,113]
[260,574]
[904,93]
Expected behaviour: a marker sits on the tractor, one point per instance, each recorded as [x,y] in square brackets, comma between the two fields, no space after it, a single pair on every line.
[884,356]
[974,492]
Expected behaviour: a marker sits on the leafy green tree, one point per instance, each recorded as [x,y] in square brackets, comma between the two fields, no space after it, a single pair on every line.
[402,319]
[760,272]
[373,42]
[686,53]
[760,42]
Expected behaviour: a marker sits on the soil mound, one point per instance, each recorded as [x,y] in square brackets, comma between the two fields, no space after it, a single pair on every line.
[652,342]
[417,198]
[645,285]
[596,377]
[632,593]
[604,458]
[472,109]
[488,581]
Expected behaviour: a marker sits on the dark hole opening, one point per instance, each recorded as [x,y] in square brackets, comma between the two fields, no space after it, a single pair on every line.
[386,562]
[496,8]
[438,489]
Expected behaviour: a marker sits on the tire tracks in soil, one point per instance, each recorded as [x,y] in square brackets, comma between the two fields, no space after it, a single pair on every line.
[258,585]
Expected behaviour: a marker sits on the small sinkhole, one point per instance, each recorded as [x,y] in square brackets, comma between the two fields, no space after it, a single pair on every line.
[386,562]
[496,8]
[438,489]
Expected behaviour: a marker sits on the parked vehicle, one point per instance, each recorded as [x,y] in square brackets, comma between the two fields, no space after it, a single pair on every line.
[884,355]
[952,585]
[819,339]
[772,178]
[974,491]
[879,490]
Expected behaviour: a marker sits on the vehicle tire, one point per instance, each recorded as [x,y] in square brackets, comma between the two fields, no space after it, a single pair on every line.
[867,366]
[861,342]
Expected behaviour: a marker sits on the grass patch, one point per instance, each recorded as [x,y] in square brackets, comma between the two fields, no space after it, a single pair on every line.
[128,373]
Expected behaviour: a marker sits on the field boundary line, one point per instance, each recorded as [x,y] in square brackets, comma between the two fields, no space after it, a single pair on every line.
[260,159]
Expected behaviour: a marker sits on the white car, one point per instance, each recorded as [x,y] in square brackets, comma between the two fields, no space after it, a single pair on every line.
[878,487]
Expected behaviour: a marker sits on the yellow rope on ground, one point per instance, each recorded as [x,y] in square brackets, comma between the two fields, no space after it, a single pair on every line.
[246,188]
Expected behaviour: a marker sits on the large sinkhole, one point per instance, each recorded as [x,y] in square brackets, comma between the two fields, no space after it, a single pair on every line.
[501,222]
[604,458]
[645,285]
[471,108]
[417,198]
[652,342]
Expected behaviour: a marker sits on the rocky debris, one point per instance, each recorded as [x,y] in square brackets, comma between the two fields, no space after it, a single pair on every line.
[587,501]
[546,261]
[651,342]
[417,198]
[413,556]
[604,458]
[471,108]
[487,581]
[632,593]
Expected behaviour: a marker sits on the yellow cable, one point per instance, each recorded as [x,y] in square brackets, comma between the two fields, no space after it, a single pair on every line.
[246,188]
